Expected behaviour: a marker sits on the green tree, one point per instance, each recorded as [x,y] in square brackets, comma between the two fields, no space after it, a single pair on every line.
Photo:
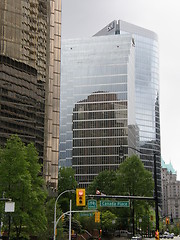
[38,192]
[21,181]
[104,182]
[130,179]
[87,223]
[134,180]
[50,219]
[108,221]
[66,181]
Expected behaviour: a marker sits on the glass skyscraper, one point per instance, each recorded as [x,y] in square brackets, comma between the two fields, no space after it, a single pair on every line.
[30,38]
[147,90]
[109,99]
[97,113]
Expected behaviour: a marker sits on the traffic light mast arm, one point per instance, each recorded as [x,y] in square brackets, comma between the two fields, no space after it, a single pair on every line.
[121,197]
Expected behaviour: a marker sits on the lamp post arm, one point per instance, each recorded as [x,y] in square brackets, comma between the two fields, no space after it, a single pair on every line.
[70,190]
[6,199]
[122,152]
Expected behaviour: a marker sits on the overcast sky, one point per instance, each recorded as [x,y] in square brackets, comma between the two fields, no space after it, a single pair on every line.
[83,18]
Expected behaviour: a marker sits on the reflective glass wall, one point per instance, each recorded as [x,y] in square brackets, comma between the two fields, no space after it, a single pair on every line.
[97,113]
[147,90]
[30,32]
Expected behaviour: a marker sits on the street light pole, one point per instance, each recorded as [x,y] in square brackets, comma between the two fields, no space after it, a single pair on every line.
[156,194]
[70,209]
[55,210]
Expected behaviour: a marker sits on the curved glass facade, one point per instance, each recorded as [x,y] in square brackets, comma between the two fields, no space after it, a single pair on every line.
[30,42]
[147,90]
[89,76]
[97,100]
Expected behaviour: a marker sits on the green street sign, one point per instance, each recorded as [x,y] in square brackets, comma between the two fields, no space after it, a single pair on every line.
[86,214]
[107,203]
[92,204]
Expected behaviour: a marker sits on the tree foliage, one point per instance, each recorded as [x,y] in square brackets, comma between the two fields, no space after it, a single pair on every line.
[130,179]
[104,182]
[134,179]
[108,220]
[20,180]
[50,204]
[66,179]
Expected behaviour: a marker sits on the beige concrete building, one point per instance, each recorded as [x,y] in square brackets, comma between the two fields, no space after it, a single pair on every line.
[30,48]
[170,192]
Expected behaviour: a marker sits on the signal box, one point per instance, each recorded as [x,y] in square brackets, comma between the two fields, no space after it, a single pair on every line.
[80,197]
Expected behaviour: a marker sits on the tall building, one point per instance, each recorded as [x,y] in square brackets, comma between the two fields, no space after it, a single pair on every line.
[97,113]
[147,90]
[30,42]
[109,99]
[170,193]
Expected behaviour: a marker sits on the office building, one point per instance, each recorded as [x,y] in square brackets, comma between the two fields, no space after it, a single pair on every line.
[30,42]
[97,104]
[146,90]
[109,99]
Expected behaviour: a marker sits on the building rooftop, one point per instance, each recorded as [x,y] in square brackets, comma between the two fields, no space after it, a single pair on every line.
[168,166]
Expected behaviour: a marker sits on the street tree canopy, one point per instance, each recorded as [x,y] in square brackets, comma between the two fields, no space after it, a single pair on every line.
[20,180]
[131,178]
[66,179]
[104,182]
[134,179]
[108,220]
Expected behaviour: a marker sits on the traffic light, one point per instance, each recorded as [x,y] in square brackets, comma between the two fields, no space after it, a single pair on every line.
[171,218]
[80,197]
[167,220]
[97,217]
[157,235]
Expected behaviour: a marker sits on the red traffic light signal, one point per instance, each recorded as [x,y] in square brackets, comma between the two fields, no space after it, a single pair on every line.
[80,197]
[167,220]
[157,235]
